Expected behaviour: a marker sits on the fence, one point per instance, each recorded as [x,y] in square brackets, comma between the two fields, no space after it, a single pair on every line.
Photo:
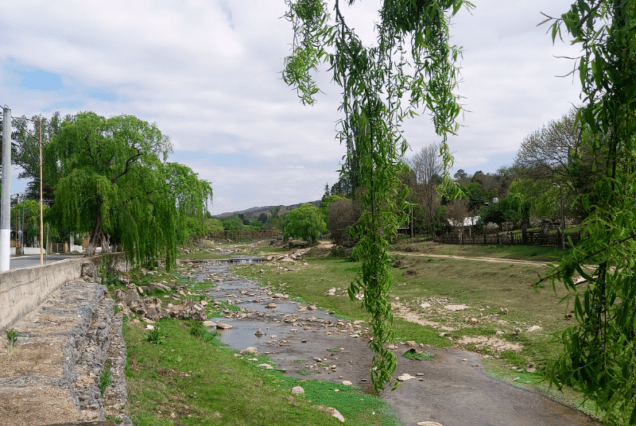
[246,234]
[510,239]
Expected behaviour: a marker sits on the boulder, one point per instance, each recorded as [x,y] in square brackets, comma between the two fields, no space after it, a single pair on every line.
[222,326]
[189,309]
[154,311]
[89,272]
[297,390]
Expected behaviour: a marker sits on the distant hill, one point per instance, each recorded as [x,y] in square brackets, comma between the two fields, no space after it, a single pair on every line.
[254,212]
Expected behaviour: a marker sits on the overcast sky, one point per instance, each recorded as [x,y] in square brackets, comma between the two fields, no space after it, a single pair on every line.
[208,73]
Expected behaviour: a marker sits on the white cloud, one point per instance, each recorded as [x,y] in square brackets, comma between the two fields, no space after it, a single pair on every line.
[208,73]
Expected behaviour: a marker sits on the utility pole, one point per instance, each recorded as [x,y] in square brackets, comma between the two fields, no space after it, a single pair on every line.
[562,220]
[411,223]
[5,208]
[41,208]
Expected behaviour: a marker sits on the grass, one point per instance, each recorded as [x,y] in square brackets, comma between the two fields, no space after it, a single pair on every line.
[105,378]
[420,356]
[193,380]
[532,253]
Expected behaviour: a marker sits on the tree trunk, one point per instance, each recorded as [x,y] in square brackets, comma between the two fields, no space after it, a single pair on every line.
[97,235]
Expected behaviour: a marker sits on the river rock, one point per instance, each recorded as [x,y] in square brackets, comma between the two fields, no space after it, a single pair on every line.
[258,333]
[222,326]
[331,292]
[334,413]
[280,296]
[249,350]
[428,424]
[405,377]
[188,309]
[271,306]
[533,328]
[454,308]
[346,383]
[209,324]
[297,390]
[425,305]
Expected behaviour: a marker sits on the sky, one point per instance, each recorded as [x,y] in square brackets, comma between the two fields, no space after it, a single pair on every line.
[208,73]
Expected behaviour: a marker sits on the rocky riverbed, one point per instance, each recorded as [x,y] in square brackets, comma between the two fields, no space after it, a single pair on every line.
[449,389]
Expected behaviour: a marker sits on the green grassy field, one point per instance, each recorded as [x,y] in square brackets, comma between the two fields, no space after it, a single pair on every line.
[531,253]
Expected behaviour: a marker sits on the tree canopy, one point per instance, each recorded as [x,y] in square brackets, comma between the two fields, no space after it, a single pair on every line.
[111,179]
[599,354]
[305,222]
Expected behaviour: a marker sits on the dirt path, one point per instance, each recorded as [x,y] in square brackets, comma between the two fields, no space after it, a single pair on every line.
[451,389]
[477,259]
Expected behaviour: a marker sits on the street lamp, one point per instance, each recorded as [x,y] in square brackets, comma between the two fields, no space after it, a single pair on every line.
[562,218]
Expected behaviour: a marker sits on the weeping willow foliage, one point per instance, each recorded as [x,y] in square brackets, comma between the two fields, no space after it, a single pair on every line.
[111,179]
[412,68]
[191,195]
[599,354]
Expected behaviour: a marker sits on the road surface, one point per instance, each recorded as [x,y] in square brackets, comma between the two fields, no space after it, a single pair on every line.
[28,261]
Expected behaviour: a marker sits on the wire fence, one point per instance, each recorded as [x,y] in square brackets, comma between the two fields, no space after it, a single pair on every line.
[530,238]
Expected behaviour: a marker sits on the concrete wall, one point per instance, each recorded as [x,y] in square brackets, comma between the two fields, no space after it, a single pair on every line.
[23,290]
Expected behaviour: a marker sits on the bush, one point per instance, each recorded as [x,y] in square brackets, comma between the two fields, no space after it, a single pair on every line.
[305,222]
[343,215]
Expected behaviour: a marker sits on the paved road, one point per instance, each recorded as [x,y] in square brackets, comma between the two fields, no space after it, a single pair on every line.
[28,261]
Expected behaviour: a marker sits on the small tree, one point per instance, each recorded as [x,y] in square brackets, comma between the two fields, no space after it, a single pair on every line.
[326,203]
[305,222]
[343,214]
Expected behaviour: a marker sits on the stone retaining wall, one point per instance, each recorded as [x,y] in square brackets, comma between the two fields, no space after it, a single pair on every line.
[23,290]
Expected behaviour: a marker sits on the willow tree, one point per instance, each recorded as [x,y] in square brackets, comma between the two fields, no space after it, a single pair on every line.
[600,350]
[191,196]
[411,68]
[110,180]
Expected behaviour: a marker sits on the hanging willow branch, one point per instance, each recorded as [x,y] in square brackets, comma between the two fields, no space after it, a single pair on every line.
[412,68]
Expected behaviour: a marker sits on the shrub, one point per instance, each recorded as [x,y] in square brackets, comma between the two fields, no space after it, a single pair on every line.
[343,215]
[12,336]
[155,336]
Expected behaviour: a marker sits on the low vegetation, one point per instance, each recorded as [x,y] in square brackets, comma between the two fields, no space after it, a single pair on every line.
[192,379]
